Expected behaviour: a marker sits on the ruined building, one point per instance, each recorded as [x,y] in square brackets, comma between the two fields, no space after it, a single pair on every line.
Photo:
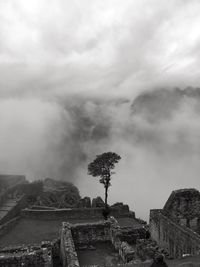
[176,227]
[41,226]
[38,228]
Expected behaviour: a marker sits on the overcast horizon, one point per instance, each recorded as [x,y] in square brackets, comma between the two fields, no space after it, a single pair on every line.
[78,78]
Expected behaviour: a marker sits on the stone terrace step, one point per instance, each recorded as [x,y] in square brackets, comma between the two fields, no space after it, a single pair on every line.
[10,201]
[3,213]
[129,222]
[6,207]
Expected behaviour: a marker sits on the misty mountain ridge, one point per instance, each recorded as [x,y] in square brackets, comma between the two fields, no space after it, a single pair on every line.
[160,104]
[158,129]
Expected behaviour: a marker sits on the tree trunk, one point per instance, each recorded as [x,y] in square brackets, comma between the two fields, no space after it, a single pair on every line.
[106,197]
[106,211]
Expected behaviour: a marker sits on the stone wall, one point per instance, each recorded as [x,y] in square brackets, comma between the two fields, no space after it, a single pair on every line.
[12,208]
[45,255]
[17,181]
[172,237]
[84,203]
[27,256]
[117,238]
[67,248]
[102,231]
[183,206]
[126,252]
[87,233]
[131,234]
[98,202]
[75,213]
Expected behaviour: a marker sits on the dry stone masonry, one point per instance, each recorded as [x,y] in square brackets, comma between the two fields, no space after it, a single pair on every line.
[26,256]
[175,228]
[76,235]
[68,253]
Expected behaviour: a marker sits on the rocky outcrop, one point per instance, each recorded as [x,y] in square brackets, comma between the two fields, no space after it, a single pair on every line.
[58,194]
[85,203]
[97,202]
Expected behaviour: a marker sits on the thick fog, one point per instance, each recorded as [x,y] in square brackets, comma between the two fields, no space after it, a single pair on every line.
[78,78]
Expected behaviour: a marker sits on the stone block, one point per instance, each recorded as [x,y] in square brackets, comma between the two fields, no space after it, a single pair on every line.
[97,202]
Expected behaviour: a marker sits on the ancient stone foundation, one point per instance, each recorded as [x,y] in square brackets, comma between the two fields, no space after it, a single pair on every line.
[67,248]
[76,213]
[87,233]
[26,256]
[90,233]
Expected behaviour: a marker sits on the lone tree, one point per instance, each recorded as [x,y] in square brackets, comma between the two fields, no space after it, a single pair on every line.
[102,166]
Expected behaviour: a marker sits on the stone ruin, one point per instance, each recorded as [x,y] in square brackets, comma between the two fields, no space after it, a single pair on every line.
[26,256]
[176,227]
[91,227]
[72,238]
[79,235]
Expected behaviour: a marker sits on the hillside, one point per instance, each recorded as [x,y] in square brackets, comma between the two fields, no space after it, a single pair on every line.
[58,194]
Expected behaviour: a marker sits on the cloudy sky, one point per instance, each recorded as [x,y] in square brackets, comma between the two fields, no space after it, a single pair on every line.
[81,77]
[114,46]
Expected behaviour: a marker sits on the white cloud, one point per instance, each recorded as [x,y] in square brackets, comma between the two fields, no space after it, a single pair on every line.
[124,45]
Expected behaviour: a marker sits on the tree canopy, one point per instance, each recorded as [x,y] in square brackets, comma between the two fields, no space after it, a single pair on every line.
[103,165]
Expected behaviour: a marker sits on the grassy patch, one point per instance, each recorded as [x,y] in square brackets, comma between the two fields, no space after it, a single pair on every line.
[32,231]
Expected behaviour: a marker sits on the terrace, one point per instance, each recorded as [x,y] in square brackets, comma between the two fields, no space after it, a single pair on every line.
[33,231]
